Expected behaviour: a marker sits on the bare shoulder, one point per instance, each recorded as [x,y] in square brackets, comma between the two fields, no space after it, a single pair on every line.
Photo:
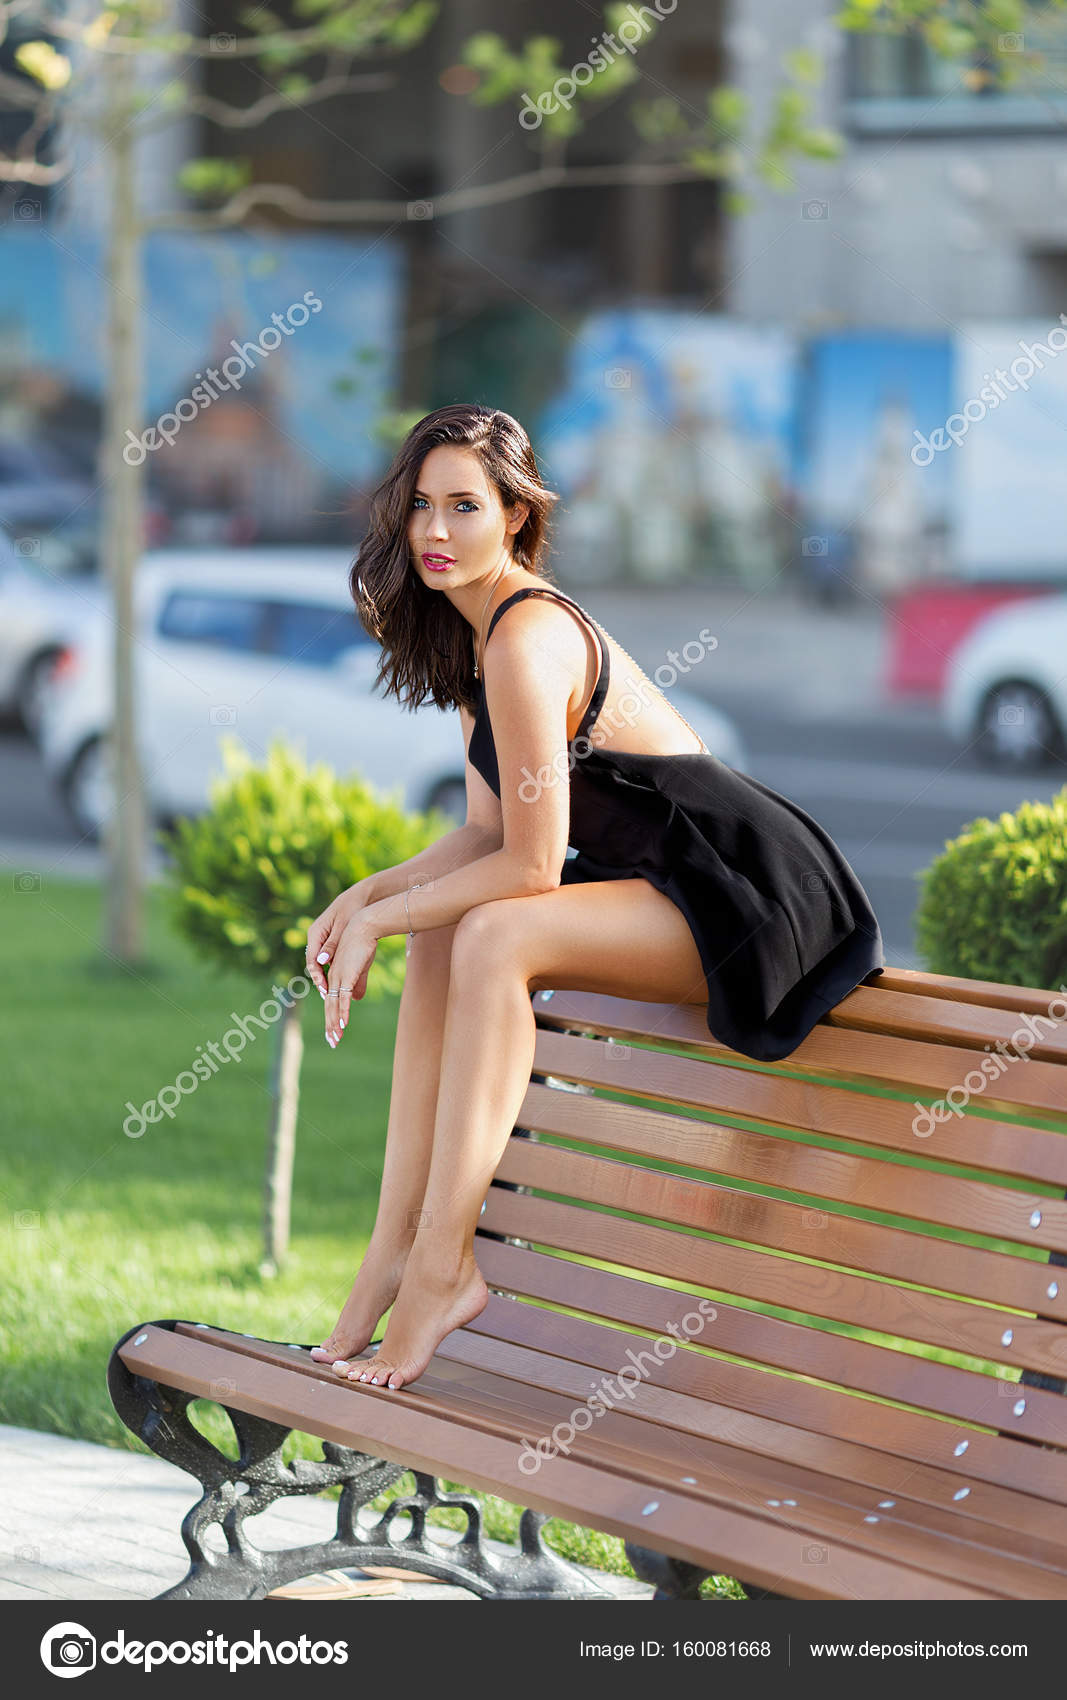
[539,630]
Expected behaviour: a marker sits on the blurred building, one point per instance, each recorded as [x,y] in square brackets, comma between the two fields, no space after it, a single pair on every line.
[948,203]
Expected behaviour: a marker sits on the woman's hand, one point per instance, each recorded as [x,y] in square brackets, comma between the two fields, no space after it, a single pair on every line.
[324,934]
[348,976]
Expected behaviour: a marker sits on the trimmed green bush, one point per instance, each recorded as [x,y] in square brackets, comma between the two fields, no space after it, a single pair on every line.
[280,842]
[993,906]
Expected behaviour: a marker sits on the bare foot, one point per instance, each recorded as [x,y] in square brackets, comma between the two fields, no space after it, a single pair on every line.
[373,1291]
[428,1306]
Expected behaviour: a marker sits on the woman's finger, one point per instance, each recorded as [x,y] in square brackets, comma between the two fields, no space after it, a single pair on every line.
[318,932]
[338,1003]
[331,943]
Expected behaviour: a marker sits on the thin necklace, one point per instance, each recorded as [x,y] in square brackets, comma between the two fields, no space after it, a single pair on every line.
[481,623]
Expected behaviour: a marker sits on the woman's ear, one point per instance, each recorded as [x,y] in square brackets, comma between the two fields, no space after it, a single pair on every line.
[517,517]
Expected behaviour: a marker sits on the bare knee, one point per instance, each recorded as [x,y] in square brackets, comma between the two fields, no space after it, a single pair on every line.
[488,938]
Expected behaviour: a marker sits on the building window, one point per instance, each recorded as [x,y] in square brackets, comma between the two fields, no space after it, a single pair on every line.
[884,68]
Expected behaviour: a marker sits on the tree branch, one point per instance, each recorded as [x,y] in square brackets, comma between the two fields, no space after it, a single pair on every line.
[288,199]
[32,171]
[246,117]
[310,40]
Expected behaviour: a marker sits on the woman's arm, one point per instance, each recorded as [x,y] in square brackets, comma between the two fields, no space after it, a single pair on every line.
[481,833]
[530,670]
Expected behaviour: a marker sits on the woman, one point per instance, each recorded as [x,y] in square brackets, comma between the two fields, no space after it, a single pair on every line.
[692,883]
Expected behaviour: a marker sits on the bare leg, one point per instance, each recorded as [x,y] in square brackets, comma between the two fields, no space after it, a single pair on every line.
[409,1138]
[622,937]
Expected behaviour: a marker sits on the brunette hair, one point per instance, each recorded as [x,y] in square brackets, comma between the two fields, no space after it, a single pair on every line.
[426,643]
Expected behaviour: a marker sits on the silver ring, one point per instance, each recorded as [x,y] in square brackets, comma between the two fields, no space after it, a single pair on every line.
[336,992]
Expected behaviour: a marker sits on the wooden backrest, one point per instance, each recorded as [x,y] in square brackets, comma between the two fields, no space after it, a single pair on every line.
[879,1220]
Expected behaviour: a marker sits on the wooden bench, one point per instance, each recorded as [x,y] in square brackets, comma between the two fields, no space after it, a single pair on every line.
[845,1418]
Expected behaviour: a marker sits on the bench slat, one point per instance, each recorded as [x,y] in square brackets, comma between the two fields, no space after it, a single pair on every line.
[672,1454]
[912,1065]
[713,1444]
[947,1021]
[792,1421]
[630,1445]
[954,1325]
[1008,1148]
[771,1555]
[1025,1000]
[995,1276]
[977,1206]
[944,1389]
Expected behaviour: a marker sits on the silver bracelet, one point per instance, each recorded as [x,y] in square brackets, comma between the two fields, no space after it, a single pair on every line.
[407,913]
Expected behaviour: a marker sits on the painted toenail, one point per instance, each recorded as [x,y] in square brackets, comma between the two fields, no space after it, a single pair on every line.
[374,1381]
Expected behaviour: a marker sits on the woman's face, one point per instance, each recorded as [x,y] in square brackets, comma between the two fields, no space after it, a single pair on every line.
[458,529]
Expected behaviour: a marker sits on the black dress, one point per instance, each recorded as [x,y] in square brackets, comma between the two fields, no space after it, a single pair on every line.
[783,927]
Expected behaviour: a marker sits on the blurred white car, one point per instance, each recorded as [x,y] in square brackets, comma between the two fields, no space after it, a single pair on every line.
[39,614]
[1006,684]
[257,642]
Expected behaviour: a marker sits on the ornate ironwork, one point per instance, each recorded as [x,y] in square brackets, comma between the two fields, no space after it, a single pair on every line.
[236,1489]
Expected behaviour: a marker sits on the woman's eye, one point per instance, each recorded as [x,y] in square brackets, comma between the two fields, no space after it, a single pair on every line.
[467,504]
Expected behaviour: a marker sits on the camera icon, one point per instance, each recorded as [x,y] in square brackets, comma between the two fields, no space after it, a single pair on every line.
[815,1555]
[420,209]
[221,1386]
[28,1555]
[26,546]
[222,714]
[1013,42]
[222,43]
[1010,715]
[815,1218]
[813,881]
[817,210]
[27,882]
[616,1052]
[814,545]
[618,378]
[68,1649]
[421,1218]
[27,1218]
[28,209]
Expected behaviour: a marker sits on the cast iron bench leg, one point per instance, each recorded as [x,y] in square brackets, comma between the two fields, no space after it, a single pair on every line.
[235,1489]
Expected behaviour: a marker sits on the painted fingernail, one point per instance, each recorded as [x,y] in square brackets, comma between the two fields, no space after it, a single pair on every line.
[323,956]
[343,1025]
[322,994]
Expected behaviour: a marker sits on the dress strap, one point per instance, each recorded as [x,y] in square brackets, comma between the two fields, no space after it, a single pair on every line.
[600,688]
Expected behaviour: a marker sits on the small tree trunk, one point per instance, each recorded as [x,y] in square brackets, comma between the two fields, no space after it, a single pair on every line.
[281,1138]
[121,519]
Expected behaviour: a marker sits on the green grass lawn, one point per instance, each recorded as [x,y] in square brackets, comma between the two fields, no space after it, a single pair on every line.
[99,1231]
